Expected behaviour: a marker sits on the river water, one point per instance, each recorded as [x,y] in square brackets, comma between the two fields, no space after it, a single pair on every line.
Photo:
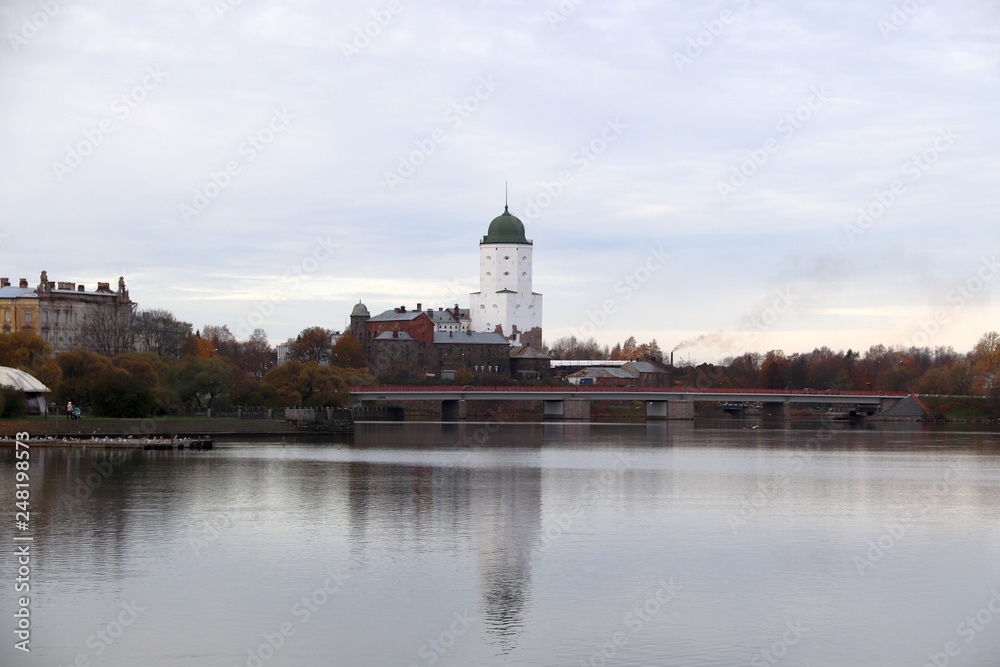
[419,544]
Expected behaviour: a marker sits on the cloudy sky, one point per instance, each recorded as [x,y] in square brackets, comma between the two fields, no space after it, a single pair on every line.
[821,173]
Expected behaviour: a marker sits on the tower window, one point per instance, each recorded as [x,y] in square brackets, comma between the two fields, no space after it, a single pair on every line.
[524,273]
[506,273]
[506,258]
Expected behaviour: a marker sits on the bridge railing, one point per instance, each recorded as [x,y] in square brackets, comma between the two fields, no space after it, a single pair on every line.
[597,389]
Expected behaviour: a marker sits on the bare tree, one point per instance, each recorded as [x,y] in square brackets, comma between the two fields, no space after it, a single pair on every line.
[157,330]
[108,328]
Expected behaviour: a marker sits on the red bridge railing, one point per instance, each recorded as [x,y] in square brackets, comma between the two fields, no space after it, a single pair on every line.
[591,388]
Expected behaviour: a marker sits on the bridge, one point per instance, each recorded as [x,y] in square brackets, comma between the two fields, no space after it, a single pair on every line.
[661,403]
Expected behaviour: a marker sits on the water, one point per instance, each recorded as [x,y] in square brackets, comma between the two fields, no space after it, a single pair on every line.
[518,544]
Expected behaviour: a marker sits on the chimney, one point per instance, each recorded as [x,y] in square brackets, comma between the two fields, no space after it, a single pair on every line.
[23,282]
[4,282]
[79,288]
[419,308]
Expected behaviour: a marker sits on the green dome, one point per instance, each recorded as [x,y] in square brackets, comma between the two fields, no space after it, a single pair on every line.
[506,228]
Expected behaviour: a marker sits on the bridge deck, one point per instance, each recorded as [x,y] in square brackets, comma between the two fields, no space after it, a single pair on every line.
[470,393]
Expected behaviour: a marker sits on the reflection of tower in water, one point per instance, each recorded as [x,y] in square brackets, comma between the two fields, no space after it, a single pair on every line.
[506,505]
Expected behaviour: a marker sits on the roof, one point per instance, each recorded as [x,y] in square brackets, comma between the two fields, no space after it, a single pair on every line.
[645,367]
[528,352]
[439,316]
[396,316]
[360,310]
[12,377]
[506,228]
[603,372]
[10,292]
[469,338]
[400,335]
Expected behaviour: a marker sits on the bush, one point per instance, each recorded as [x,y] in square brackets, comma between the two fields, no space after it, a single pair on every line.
[12,403]
[121,396]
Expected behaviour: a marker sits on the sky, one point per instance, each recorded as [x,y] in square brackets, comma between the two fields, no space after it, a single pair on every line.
[722,177]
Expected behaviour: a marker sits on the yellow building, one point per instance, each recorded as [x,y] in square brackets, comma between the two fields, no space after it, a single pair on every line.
[62,312]
[19,310]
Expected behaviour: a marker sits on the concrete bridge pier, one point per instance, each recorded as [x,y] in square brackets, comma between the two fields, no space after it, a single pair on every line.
[887,403]
[453,410]
[656,410]
[570,408]
[683,409]
[778,410]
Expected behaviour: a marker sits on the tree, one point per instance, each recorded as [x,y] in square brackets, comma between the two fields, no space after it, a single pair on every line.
[309,384]
[26,351]
[108,328]
[256,356]
[222,339]
[119,395]
[774,370]
[157,330]
[312,344]
[146,367]
[348,353]
[81,370]
[195,377]
[570,347]
[985,359]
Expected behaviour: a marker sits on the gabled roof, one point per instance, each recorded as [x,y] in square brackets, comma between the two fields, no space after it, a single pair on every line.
[528,352]
[644,367]
[603,372]
[396,316]
[441,316]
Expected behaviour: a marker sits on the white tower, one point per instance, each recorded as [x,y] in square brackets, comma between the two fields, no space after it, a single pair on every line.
[505,303]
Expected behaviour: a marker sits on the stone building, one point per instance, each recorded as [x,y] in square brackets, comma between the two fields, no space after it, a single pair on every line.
[505,303]
[406,344]
[67,315]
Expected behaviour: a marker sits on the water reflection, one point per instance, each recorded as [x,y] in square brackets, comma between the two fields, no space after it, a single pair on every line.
[549,534]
